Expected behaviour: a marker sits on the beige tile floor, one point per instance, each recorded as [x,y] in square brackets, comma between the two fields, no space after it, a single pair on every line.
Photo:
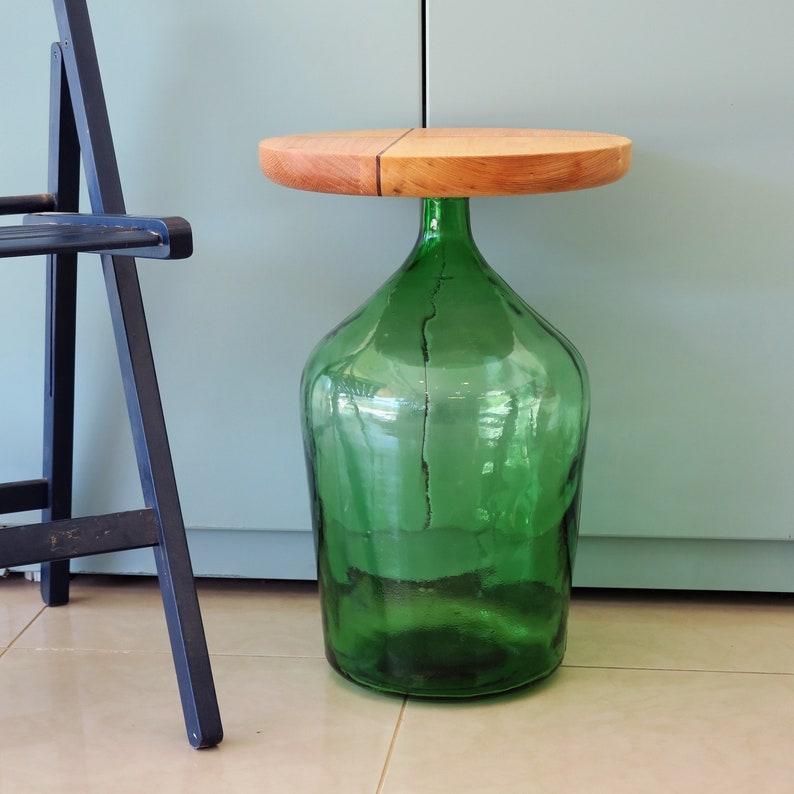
[658,693]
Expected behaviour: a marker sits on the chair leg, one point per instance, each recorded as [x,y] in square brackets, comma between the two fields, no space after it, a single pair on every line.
[55,583]
[59,412]
[183,616]
[191,657]
[188,645]
[61,319]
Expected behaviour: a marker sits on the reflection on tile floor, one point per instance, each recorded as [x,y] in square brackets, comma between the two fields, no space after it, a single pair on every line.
[658,693]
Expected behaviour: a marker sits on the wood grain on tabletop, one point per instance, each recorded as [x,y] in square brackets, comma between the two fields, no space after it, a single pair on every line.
[442,162]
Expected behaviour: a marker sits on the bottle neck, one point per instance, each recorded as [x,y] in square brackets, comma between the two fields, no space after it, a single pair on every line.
[445,218]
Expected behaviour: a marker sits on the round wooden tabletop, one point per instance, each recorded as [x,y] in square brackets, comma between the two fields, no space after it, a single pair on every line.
[445,162]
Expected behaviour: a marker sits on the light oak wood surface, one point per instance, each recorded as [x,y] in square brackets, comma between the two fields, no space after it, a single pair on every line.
[444,162]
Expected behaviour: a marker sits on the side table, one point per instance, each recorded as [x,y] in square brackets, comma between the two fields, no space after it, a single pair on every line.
[445,422]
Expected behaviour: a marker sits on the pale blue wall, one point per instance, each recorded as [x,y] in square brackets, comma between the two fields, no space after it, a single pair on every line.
[191,89]
[676,284]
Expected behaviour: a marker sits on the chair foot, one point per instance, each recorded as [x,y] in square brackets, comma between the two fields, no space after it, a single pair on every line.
[55,583]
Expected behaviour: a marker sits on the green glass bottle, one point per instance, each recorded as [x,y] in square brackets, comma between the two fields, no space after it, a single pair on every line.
[444,424]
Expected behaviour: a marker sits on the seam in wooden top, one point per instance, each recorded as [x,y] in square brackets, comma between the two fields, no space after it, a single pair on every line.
[383,151]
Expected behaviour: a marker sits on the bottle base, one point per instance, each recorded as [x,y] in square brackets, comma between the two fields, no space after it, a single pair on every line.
[434,664]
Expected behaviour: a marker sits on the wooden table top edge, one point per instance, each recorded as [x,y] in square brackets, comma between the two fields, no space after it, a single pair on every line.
[462,161]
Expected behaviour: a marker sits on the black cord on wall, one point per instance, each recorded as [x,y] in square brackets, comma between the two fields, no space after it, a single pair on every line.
[423,26]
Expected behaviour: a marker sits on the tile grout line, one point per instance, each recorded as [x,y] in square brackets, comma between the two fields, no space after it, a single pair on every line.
[390,752]
[675,669]
[23,630]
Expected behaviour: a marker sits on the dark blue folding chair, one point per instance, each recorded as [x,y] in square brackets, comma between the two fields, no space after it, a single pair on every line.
[53,225]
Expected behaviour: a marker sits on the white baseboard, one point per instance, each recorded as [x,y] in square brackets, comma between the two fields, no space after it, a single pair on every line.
[619,562]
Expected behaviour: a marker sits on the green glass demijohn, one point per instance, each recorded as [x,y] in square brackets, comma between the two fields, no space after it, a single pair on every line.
[444,424]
